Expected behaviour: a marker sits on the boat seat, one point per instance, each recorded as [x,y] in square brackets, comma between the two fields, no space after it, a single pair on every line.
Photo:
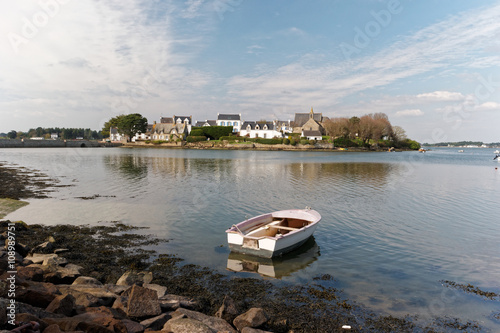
[282,227]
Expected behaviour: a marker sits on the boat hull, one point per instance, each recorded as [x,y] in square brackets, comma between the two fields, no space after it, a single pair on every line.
[259,236]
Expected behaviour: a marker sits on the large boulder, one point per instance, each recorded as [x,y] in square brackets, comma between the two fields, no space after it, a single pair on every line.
[142,302]
[130,278]
[87,281]
[228,310]
[38,294]
[172,302]
[63,304]
[89,295]
[252,318]
[160,290]
[32,272]
[186,325]
[217,324]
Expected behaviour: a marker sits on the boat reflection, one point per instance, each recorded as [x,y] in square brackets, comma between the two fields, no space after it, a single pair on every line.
[276,267]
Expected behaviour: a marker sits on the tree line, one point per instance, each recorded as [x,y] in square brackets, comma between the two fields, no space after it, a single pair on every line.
[63,133]
[368,129]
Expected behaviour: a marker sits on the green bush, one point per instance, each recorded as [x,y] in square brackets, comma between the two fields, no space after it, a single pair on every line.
[286,141]
[212,132]
[269,141]
[250,139]
[325,138]
[196,132]
[312,142]
[344,142]
[230,138]
[197,138]
[157,142]
[304,141]
[293,142]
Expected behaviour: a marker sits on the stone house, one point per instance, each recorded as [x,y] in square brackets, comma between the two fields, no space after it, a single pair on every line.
[308,122]
[266,130]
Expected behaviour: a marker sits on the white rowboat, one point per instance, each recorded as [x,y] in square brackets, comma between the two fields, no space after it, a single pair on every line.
[270,235]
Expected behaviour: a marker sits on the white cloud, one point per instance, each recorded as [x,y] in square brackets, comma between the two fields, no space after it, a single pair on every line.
[488,106]
[409,113]
[439,96]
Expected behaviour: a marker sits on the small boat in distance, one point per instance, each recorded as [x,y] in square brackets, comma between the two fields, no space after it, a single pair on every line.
[273,234]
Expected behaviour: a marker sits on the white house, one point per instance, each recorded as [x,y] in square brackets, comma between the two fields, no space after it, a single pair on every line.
[230,120]
[200,123]
[114,135]
[312,135]
[266,130]
[54,136]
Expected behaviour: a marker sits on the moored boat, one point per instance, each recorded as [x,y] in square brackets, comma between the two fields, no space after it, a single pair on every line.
[273,234]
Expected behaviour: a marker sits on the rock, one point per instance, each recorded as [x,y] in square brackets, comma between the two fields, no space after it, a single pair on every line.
[115,313]
[253,330]
[115,289]
[30,273]
[88,295]
[63,304]
[132,326]
[252,318]
[36,311]
[142,302]
[26,318]
[59,251]
[3,311]
[77,324]
[86,280]
[130,278]
[228,310]
[4,262]
[39,258]
[44,247]
[20,248]
[174,301]
[214,323]
[62,275]
[52,329]
[121,303]
[156,323]
[37,293]
[55,261]
[103,319]
[186,325]
[160,290]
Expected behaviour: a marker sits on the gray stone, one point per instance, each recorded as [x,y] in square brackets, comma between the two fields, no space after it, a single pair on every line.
[130,278]
[55,261]
[253,330]
[38,258]
[89,295]
[44,247]
[88,281]
[228,310]
[142,302]
[38,294]
[156,323]
[62,275]
[115,289]
[186,325]
[177,301]
[132,326]
[63,304]
[214,323]
[252,318]
[160,290]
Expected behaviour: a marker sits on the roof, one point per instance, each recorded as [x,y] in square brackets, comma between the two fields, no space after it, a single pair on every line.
[183,118]
[166,120]
[206,123]
[253,124]
[168,128]
[311,133]
[302,118]
[113,130]
[228,117]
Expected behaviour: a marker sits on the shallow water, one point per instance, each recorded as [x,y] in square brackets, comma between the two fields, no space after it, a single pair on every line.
[394,224]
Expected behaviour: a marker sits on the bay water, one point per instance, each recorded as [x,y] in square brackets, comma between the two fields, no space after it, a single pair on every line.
[394,225]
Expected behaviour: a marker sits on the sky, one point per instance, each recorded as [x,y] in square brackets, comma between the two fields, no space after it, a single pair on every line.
[433,66]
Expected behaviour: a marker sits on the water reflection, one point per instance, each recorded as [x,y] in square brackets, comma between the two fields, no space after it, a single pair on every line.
[130,166]
[276,267]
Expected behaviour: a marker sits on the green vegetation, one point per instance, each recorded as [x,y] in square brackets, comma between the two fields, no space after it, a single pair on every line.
[132,124]
[7,206]
[212,132]
[62,133]
[192,138]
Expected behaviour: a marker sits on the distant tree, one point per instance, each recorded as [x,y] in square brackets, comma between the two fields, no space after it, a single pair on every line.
[12,134]
[337,127]
[354,127]
[398,134]
[113,122]
[132,124]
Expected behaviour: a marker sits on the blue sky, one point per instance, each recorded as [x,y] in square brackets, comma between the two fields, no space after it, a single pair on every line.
[432,66]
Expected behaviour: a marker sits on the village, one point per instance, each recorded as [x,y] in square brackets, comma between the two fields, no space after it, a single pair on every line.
[307,125]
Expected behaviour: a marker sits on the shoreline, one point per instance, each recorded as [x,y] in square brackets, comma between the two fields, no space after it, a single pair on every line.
[98,269]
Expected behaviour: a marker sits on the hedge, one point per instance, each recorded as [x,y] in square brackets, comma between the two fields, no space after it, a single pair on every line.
[269,141]
[196,132]
[213,132]
[197,138]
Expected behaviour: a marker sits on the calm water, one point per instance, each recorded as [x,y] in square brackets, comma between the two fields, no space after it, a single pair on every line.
[394,224]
